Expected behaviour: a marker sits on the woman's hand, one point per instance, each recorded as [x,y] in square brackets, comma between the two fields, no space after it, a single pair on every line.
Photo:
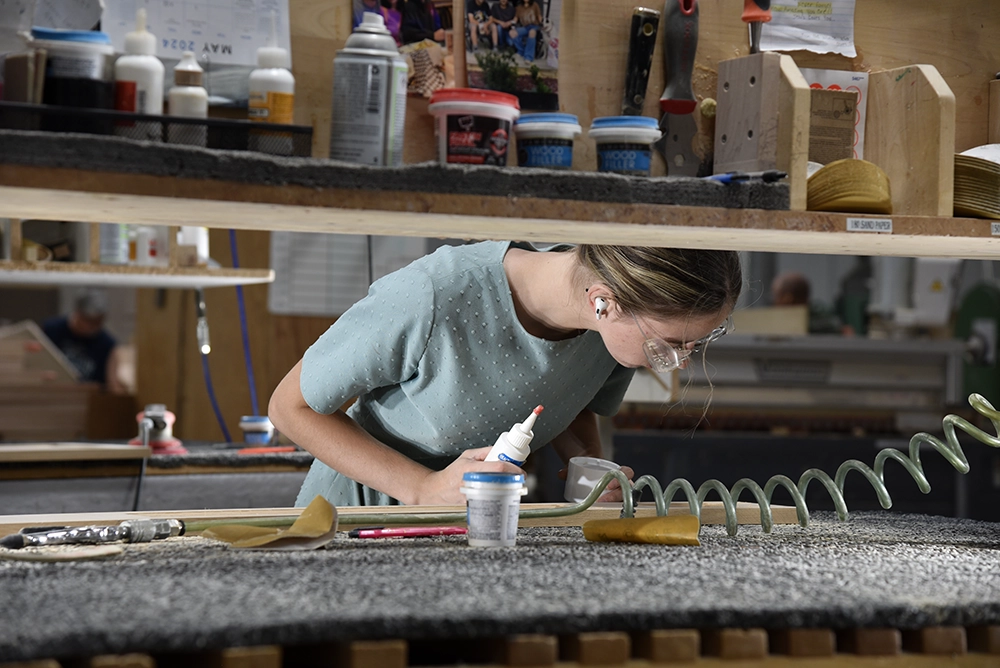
[613,492]
[442,487]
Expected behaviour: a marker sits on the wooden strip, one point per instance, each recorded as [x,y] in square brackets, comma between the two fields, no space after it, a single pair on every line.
[936,640]
[735,643]
[803,642]
[712,513]
[16,239]
[372,654]
[529,650]
[870,642]
[58,452]
[94,237]
[985,639]
[122,661]
[40,663]
[668,645]
[994,119]
[596,648]
[794,105]
[263,656]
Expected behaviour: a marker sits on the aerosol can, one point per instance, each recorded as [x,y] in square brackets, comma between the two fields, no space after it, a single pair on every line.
[369,97]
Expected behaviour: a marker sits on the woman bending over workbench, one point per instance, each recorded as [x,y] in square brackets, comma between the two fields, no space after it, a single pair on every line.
[450,351]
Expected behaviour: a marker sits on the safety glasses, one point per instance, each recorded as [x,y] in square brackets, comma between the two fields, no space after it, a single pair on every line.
[664,357]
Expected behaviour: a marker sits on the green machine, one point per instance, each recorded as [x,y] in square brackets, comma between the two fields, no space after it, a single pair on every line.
[978,324]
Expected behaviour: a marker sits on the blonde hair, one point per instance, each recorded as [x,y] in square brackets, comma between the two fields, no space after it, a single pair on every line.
[666,282]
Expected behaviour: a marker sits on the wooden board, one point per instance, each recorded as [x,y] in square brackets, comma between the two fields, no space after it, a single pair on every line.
[83,273]
[64,452]
[910,134]
[712,513]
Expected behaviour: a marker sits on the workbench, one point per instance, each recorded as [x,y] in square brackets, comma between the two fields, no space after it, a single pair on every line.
[880,589]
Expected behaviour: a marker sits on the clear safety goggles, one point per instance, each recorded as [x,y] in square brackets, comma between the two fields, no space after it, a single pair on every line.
[664,357]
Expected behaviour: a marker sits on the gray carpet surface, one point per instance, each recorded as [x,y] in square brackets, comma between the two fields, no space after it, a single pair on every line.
[114,154]
[877,569]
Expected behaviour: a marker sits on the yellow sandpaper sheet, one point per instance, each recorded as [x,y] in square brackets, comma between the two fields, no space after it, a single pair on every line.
[314,528]
[669,530]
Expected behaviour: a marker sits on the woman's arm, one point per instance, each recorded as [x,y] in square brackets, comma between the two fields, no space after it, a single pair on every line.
[338,441]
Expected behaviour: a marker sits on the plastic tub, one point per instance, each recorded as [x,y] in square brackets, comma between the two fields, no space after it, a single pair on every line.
[492,503]
[583,474]
[78,73]
[473,126]
[257,429]
[546,140]
[623,143]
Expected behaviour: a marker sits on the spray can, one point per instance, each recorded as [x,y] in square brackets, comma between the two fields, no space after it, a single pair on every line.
[514,446]
[369,97]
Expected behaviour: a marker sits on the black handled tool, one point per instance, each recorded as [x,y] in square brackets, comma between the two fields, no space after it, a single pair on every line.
[641,43]
[755,14]
[680,41]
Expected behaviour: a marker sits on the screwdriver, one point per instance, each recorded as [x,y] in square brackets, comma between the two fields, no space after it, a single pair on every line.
[755,14]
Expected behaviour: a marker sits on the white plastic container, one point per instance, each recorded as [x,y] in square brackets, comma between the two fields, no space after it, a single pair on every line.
[257,430]
[624,143]
[514,446]
[472,125]
[272,95]
[188,98]
[583,474]
[546,140]
[79,72]
[139,81]
[151,246]
[190,235]
[493,501]
[368,120]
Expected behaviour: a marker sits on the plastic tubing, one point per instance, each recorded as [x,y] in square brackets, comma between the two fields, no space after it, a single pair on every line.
[244,330]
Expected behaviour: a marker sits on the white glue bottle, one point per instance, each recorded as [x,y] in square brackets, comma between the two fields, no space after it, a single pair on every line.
[139,81]
[514,446]
[272,94]
[188,98]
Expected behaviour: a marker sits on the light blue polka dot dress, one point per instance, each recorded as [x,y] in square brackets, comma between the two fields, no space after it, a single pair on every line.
[440,364]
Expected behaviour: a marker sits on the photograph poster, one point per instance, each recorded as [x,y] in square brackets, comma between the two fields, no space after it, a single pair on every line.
[513,46]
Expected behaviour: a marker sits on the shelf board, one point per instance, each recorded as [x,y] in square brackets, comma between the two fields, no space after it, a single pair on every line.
[61,273]
[52,193]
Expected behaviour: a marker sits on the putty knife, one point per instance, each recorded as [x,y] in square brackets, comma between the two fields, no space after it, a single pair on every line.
[680,42]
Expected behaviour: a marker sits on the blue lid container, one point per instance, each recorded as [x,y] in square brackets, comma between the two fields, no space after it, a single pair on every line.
[58,35]
[546,140]
[496,478]
[547,118]
[624,143]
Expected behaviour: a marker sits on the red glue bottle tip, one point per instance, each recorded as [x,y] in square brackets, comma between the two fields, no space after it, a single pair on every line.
[538,409]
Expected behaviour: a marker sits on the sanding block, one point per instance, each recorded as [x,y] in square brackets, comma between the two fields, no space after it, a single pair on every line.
[670,530]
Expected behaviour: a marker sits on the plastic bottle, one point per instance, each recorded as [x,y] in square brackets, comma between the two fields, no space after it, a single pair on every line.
[369,97]
[139,80]
[272,95]
[188,98]
[514,446]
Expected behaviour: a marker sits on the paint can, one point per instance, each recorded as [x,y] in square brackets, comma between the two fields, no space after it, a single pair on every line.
[624,143]
[369,97]
[583,474]
[473,126]
[546,140]
[492,504]
[257,429]
[78,73]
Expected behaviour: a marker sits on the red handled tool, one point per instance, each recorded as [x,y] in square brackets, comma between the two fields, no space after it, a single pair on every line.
[680,41]
[755,14]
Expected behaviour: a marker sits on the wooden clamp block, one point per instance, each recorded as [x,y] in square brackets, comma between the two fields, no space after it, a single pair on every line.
[529,650]
[803,642]
[122,661]
[735,643]
[936,640]
[910,134]
[264,656]
[870,642]
[762,119]
[596,649]
[993,133]
[373,654]
[984,639]
[668,645]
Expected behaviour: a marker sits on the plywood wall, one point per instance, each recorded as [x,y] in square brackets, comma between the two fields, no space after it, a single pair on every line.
[958,37]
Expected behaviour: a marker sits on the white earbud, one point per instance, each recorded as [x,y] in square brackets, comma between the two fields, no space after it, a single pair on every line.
[601,305]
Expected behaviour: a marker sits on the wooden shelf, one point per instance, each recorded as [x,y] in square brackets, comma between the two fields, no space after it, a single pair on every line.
[33,192]
[60,273]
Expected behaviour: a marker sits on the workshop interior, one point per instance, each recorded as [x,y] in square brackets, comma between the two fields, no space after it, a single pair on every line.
[192,194]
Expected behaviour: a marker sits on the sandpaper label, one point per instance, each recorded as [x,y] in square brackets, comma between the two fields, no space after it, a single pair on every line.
[883,225]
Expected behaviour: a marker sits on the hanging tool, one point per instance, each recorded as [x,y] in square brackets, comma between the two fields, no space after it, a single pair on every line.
[641,43]
[680,42]
[755,14]
[130,531]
